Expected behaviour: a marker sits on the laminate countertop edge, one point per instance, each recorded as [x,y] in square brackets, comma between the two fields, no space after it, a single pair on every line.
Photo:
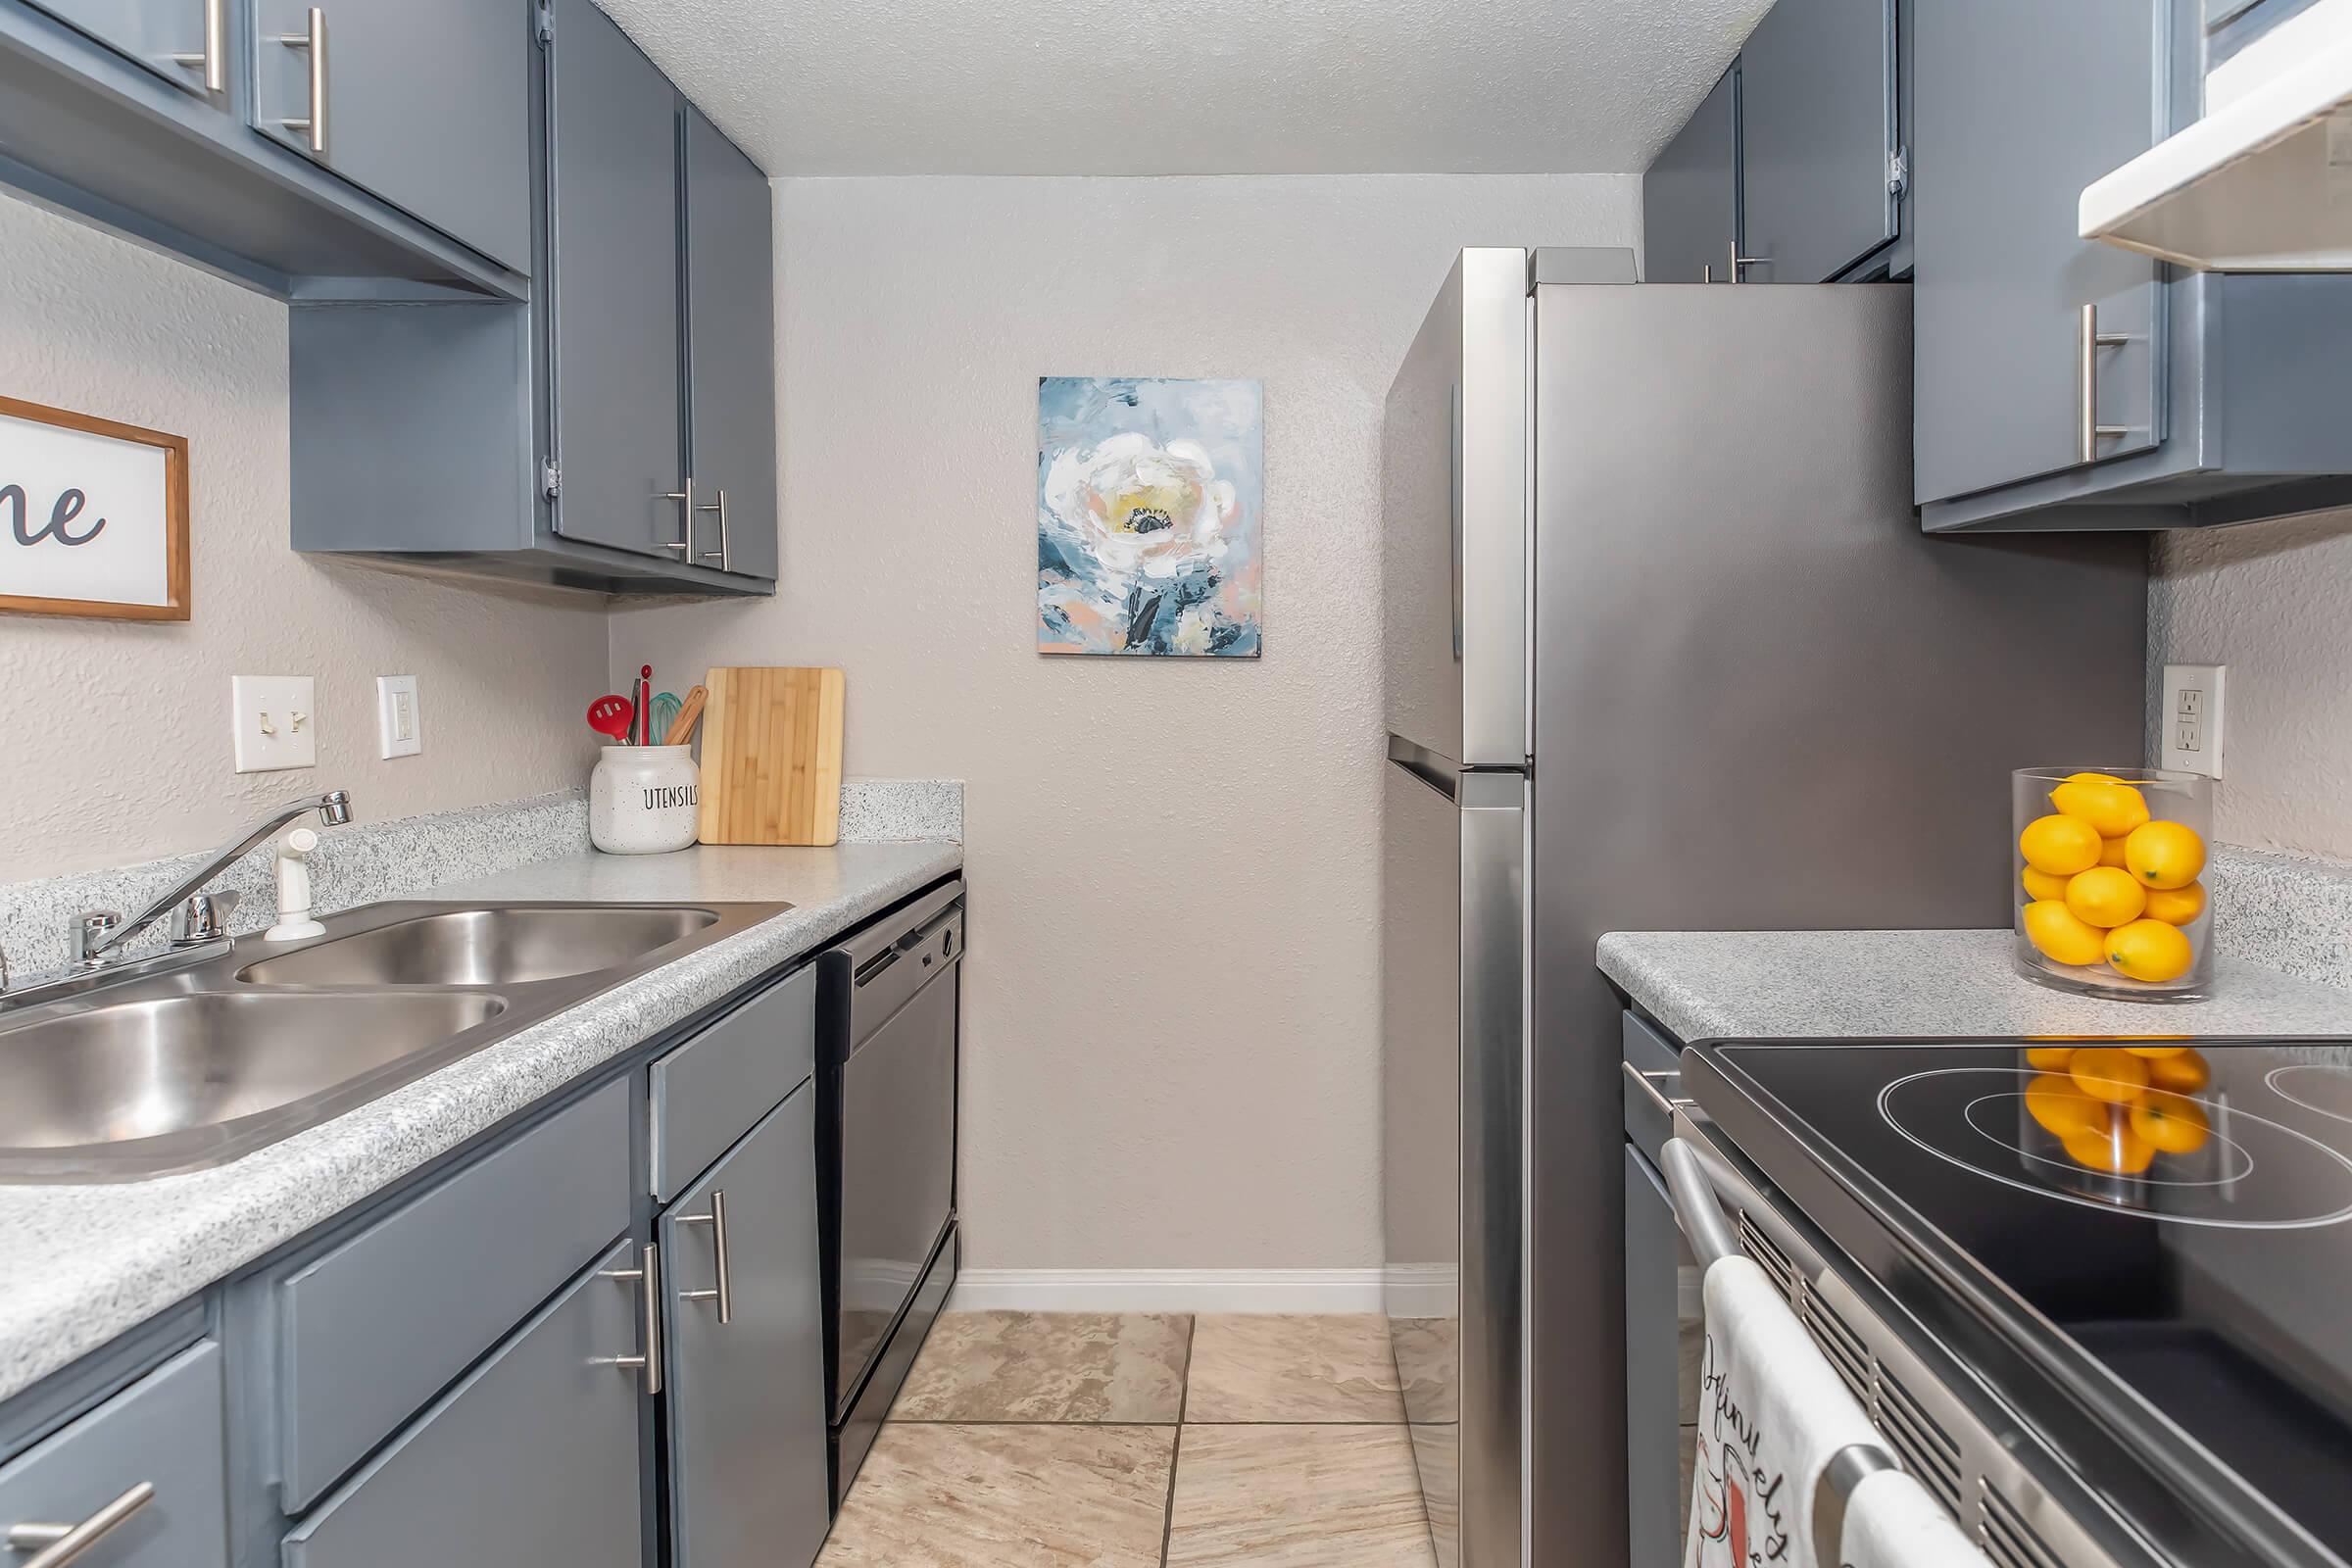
[88,1263]
[1748,985]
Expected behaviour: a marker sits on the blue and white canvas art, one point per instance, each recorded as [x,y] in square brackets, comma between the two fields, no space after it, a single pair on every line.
[1148,493]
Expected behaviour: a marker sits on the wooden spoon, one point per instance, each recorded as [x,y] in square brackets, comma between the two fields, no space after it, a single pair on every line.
[690,713]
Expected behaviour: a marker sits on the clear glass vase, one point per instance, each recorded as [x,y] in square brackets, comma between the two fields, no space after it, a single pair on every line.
[2109,866]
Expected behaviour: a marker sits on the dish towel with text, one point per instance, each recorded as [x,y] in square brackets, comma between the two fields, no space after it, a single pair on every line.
[1771,1413]
[1891,1521]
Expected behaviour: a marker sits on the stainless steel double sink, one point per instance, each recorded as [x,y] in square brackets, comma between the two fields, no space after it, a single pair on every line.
[152,1075]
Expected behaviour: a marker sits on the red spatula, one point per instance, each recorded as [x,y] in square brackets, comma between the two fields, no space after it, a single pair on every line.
[612,716]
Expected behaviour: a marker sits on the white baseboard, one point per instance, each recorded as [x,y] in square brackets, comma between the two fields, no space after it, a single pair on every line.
[1153,1290]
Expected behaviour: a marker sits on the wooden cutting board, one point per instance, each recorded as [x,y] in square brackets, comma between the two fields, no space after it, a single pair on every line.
[772,757]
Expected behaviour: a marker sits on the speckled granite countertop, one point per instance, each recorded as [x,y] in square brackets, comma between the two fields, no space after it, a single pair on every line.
[1706,985]
[86,1263]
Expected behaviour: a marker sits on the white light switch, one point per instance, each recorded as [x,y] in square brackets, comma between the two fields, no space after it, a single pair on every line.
[273,722]
[399,716]
[2192,718]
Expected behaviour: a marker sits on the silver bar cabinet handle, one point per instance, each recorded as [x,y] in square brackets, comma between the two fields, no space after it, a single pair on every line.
[213,60]
[57,1546]
[2089,341]
[723,1293]
[684,544]
[1739,261]
[312,39]
[724,555]
[648,1274]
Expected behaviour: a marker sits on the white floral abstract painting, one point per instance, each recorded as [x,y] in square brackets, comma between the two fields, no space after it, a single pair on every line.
[1147,499]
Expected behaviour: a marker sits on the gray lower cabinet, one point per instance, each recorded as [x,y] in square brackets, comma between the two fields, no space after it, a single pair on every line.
[1816,139]
[424,103]
[746,1396]
[731,353]
[1690,195]
[531,1460]
[167,36]
[613,169]
[151,1455]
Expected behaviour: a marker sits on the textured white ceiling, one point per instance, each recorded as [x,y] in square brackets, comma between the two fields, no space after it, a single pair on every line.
[1194,87]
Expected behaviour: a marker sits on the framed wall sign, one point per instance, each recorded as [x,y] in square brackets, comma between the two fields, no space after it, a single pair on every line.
[93,517]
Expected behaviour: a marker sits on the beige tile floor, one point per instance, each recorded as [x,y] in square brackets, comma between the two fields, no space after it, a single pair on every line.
[1026,1439]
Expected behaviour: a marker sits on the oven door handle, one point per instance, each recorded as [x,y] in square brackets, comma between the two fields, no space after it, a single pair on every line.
[1695,1207]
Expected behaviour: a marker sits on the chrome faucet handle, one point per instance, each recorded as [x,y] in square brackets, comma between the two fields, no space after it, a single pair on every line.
[202,917]
[90,931]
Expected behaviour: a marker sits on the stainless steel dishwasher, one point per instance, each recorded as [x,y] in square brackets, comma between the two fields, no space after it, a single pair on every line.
[887,1027]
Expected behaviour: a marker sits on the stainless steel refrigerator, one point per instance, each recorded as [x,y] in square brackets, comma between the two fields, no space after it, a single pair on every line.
[1664,649]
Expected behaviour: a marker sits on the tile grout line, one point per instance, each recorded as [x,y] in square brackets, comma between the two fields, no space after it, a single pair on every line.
[1184,1396]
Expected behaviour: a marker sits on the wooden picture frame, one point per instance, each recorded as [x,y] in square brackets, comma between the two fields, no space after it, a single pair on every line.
[34,519]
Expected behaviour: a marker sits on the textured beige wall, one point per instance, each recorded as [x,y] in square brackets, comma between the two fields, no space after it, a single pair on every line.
[2273,602]
[118,732]
[1171,1049]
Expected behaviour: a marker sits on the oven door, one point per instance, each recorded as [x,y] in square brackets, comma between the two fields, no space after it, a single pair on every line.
[897,1139]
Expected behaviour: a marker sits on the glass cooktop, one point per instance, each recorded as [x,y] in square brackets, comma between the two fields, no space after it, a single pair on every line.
[2180,1212]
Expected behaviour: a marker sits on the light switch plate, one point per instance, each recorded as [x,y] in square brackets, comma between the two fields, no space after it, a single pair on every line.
[273,722]
[2189,732]
[399,716]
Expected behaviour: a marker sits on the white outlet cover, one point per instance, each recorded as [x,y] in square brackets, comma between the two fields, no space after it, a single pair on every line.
[273,722]
[2189,726]
[399,716]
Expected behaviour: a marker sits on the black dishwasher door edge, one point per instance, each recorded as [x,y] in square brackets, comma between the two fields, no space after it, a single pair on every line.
[857,1431]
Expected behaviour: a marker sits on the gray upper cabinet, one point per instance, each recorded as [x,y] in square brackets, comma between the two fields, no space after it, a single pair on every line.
[616,300]
[1690,195]
[2020,105]
[1816,139]
[424,103]
[746,1400]
[731,357]
[187,42]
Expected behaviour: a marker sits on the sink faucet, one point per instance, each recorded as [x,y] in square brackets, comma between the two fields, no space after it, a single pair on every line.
[197,918]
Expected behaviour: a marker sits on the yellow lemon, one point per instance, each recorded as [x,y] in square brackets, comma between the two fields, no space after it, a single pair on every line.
[2150,950]
[2053,1101]
[2061,846]
[2162,854]
[2117,1149]
[2093,778]
[2113,808]
[2176,905]
[2105,898]
[2105,1073]
[2049,1058]
[2042,884]
[2173,1124]
[2060,936]
[2184,1074]
[2111,851]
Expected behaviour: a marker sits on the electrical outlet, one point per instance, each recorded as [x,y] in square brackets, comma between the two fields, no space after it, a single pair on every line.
[399,715]
[2192,732]
[273,722]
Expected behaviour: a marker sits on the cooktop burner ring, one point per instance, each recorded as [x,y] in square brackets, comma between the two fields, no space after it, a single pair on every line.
[2010,1146]
[2278,1078]
[2306,1161]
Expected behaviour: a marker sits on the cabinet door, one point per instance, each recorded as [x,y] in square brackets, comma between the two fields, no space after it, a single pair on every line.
[529,1461]
[614,254]
[1816,137]
[1691,196]
[161,1433]
[747,1397]
[425,103]
[2020,105]
[731,360]
[169,38]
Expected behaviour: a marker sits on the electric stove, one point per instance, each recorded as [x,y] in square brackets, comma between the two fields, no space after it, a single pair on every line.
[2164,1299]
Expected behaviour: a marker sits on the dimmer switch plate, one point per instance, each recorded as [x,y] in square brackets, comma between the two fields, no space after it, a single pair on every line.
[2191,719]
[273,722]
